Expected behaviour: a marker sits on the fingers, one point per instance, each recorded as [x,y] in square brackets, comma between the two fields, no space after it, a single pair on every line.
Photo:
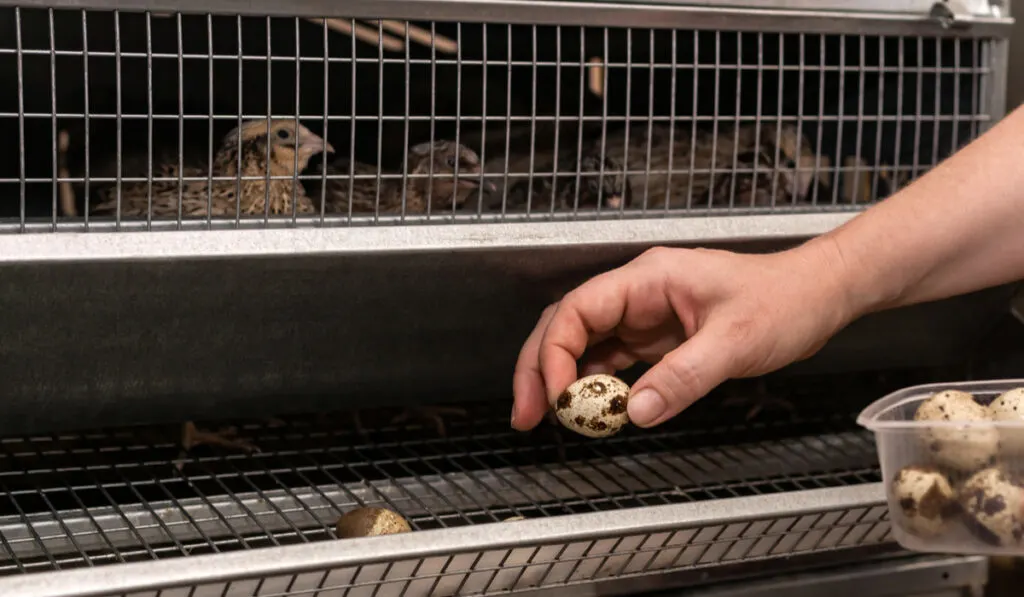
[585,316]
[547,361]
[529,396]
[685,375]
[608,357]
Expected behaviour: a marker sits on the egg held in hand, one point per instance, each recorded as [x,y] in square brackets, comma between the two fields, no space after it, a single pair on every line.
[594,406]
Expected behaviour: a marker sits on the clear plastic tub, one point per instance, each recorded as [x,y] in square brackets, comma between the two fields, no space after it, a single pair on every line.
[952,486]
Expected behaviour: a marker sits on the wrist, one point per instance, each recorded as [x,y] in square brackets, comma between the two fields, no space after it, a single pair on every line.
[852,285]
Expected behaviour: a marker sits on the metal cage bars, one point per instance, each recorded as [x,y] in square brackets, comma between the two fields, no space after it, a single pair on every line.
[125,499]
[979,80]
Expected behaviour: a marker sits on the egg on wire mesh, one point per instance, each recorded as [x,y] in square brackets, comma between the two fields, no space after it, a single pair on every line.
[370,521]
[965,447]
[594,406]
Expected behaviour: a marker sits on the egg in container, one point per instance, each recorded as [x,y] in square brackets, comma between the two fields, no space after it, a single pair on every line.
[952,459]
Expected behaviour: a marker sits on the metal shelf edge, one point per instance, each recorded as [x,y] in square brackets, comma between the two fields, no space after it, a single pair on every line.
[834,17]
[126,578]
[27,248]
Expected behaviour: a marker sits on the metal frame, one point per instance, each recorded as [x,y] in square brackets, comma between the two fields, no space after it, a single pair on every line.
[487,232]
[216,572]
[807,16]
[115,511]
[949,576]
[100,247]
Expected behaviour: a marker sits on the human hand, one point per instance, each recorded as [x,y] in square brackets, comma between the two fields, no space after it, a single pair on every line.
[700,316]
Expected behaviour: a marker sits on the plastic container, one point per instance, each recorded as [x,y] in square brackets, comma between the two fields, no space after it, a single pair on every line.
[951,486]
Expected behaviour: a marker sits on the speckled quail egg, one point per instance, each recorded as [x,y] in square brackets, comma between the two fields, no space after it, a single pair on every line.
[965,448]
[370,522]
[594,406]
[1009,406]
[926,500]
[993,507]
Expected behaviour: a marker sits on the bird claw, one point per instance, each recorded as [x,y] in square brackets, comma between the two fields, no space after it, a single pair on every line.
[225,437]
[759,404]
[357,424]
[433,414]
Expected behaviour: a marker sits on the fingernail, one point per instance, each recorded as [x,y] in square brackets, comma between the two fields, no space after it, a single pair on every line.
[513,421]
[646,407]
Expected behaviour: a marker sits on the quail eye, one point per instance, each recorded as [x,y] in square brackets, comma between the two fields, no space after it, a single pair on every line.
[451,161]
[283,134]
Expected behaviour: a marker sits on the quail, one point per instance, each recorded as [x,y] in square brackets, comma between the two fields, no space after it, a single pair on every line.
[430,182]
[792,166]
[591,181]
[243,152]
[698,158]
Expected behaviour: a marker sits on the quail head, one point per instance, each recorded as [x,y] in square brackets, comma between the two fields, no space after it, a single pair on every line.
[289,147]
[242,155]
[434,166]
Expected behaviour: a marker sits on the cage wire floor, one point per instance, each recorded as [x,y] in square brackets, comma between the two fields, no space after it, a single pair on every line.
[92,499]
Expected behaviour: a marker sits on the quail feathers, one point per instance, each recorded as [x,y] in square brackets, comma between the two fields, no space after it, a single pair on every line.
[692,157]
[430,182]
[243,152]
[590,182]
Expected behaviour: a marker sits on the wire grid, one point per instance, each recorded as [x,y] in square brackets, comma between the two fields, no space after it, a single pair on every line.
[110,497]
[559,122]
[502,571]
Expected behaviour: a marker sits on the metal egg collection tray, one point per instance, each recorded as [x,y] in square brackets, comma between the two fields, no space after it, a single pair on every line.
[728,491]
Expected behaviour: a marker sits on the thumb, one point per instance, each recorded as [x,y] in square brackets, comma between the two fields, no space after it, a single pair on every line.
[682,377]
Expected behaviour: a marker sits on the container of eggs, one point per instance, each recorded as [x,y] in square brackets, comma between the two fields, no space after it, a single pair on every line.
[952,458]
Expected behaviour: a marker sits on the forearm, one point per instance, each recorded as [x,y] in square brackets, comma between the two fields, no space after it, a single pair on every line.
[957,229]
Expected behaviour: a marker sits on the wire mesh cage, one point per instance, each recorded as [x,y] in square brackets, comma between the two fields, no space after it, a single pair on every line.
[359,118]
[134,119]
[707,492]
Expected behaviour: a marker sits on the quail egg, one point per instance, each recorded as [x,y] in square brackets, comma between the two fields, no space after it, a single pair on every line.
[594,406]
[965,448]
[926,500]
[514,518]
[370,522]
[1009,406]
[993,507]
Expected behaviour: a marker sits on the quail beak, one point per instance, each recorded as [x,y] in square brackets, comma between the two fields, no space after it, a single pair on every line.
[486,185]
[311,143]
